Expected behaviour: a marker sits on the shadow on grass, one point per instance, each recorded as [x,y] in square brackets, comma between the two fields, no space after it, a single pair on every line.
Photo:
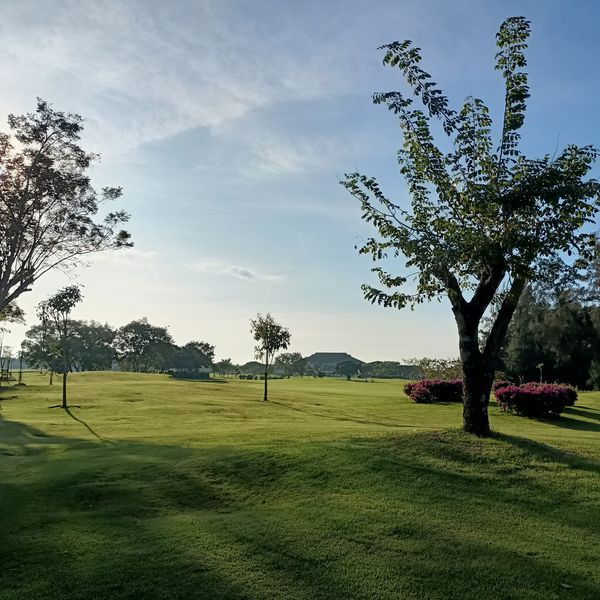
[341,417]
[191,380]
[566,422]
[431,515]
[586,414]
[97,436]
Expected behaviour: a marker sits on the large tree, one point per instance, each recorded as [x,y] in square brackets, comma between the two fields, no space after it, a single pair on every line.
[271,337]
[55,312]
[483,218]
[47,202]
[141,346]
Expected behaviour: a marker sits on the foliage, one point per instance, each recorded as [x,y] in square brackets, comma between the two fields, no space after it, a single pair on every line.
[192,356]
[426,391]
[388,369]
[47,202]
[483,219]
[90,346]
[347,369]
[535,399]
[225,367]
[188,374]
[291,363]
[437,368]
[141,347]
[559,330]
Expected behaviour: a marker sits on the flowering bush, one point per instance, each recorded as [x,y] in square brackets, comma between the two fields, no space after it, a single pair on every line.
[498,385]
[426,391]
[535,399]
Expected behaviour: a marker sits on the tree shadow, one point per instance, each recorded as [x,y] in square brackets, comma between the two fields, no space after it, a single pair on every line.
[341,417]
[211,380]
[565,422]
[97,436]
[401,516]
[585,413]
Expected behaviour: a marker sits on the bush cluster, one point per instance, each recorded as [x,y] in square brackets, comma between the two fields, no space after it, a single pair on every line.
[187,374]
[249,377]
[535,399]
[426,391]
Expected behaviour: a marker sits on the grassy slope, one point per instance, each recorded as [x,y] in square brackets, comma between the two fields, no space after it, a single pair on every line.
[166,489]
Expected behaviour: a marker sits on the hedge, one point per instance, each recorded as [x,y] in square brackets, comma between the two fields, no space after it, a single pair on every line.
[426,391]
[535,399]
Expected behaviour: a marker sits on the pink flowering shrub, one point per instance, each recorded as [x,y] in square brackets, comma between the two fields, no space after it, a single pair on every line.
[535,399]
[498,385]
[426,391]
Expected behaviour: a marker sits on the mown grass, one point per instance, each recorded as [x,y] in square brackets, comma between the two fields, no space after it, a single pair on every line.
[166,489]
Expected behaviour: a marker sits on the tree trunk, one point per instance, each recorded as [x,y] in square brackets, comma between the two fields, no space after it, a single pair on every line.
[64,389]
[477,385]
[266,373]
[478,376]
[51,376]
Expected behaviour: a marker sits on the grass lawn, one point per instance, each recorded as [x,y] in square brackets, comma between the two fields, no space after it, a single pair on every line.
[157,488]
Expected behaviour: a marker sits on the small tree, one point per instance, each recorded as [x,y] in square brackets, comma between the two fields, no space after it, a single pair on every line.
[47,203]
[57,311]
[271,338]
[484,219]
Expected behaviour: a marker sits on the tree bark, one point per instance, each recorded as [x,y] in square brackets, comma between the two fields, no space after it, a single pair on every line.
[478,376]
[64,389]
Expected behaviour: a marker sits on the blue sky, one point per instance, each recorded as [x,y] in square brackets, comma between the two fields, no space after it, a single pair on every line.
[229,123]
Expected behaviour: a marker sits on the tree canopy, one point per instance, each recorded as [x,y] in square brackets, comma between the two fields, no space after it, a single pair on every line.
[47,201]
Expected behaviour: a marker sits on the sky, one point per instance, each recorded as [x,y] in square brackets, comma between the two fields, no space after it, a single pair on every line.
[229,124]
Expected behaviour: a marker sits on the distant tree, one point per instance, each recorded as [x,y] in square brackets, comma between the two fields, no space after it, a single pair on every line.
[557,330]
[41,347]
[271,338]
[482,222]
[347,368]
[252,368]
[224,367]
[47,203]
[56,312]
[193,356]
[291,363]
[141,347]
[437,368]
[92,346]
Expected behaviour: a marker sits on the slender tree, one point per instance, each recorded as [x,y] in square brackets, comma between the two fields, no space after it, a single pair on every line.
[271,338]
[47,202]
[483,219]
[56,310]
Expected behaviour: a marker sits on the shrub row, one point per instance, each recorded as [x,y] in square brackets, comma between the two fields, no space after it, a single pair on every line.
[187,374]
[426,391]
[535,399]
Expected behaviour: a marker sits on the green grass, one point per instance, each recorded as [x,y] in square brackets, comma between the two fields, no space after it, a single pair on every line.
[170,489]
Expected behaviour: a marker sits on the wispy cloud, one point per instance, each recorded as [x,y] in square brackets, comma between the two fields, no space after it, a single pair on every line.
[141,73]
[236,271]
